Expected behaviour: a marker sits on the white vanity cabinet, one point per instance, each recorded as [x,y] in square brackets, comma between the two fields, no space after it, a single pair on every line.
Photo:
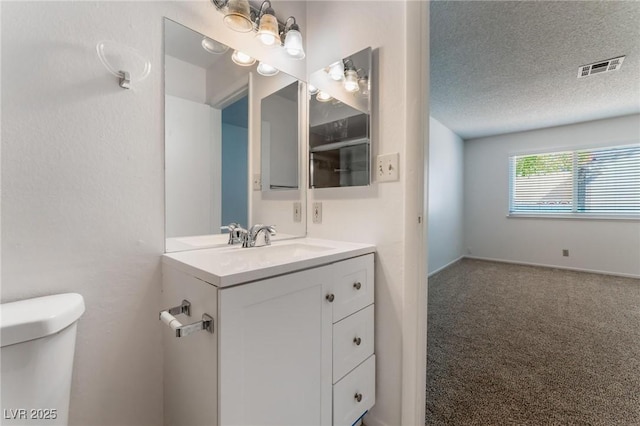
[294,349]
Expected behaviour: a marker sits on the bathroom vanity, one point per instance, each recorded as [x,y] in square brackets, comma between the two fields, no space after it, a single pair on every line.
[289,338]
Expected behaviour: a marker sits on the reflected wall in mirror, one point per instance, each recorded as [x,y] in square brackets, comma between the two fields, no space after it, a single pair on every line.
[212,142]
[279,139]
[340,123]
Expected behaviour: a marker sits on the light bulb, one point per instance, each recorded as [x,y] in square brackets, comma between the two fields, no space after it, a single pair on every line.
[293,44]
[351,81]
[238,16]
[336,71]
[323,96]
[313,89]
[267,70]
[242,59]
[213,46]
[268,31]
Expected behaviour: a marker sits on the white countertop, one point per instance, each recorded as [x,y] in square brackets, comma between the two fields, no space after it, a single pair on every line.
[232,265]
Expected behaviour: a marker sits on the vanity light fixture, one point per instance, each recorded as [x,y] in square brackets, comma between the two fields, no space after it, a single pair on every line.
[312,89]
[213,46]
[267,70]
[242,59]
[323,96]
[293,39]
[268,33]
[238,14]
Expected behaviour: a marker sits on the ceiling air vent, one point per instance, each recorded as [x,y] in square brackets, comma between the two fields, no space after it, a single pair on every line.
[600,67]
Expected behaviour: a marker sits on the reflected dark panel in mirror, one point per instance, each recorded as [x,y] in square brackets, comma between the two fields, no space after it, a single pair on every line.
[340,122]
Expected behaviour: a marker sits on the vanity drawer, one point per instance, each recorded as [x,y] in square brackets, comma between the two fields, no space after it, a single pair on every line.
[355,393]
[352,341]
[353,286]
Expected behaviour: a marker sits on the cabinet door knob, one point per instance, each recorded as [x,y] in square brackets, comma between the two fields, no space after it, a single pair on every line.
[358,397]
[330,297]
[357,285]
[357,341]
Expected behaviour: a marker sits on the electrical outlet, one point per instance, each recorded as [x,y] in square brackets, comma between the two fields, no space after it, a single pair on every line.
[297,211]
[565,252]
[257,182]
[387,167]
[317,212]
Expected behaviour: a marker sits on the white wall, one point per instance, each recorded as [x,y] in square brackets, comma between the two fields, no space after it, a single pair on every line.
[446,194]
[185,80]
[83,185]
[192,149]
[611,246]
[384,214]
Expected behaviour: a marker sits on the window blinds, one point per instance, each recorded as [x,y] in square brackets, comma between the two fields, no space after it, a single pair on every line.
[601,181]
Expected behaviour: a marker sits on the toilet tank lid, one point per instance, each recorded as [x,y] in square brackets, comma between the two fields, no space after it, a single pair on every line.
[39,317]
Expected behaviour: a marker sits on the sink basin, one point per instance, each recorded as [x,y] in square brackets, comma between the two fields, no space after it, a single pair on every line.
[234,265]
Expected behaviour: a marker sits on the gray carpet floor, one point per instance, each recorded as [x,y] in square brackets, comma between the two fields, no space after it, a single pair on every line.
[514,344]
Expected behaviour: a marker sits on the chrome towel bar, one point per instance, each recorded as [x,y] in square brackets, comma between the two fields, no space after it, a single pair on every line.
[167,317]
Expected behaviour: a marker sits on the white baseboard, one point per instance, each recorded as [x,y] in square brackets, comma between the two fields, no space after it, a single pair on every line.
[516,262]
[446,266]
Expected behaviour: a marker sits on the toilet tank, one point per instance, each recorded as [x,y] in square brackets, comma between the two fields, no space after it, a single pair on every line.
[38,340]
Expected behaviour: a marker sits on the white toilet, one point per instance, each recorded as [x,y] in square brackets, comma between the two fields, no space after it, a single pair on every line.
[38,338]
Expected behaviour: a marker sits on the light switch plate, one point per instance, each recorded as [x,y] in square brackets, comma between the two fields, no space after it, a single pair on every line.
[317,212]
[387,167]
[297,211]
[257,182]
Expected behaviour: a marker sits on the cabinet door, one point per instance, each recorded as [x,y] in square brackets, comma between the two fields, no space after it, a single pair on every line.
[275,351]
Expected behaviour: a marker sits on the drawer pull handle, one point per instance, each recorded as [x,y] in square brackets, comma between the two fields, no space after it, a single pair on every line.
[358,397]
[357,341]
[330,297]
[357,285]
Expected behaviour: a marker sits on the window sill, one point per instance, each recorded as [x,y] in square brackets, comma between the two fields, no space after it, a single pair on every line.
[570,216]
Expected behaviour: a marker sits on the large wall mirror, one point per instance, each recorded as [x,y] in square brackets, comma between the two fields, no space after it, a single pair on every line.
[340,123]
[232,143]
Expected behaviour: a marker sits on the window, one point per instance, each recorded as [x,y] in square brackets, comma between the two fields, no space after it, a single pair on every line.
[597,182]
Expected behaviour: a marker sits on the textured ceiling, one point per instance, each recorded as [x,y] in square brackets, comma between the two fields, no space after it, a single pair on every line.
[500,67]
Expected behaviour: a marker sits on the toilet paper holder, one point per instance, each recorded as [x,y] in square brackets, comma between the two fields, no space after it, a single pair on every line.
[167,317]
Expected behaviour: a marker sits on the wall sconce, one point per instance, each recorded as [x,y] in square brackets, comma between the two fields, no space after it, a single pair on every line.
[242,59]
[267,70]
[238,15]
[293,39]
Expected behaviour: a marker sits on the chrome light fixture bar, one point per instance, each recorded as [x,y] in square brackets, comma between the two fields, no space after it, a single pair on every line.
[241,16]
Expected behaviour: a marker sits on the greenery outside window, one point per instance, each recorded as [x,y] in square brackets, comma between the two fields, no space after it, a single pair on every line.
[600,182]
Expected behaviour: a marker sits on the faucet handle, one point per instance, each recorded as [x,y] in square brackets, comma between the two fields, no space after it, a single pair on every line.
[236,232]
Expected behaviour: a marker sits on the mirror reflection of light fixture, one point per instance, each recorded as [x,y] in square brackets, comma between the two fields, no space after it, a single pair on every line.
[267,70]
[336,70]
[213,46]
[323,96]
[293,39]
[363,82]
[351,81]
[268,33]
[312,89]
[238,14]
[242,59]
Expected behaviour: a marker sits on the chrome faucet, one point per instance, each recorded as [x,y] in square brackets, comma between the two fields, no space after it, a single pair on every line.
[252,237]
[236,233]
